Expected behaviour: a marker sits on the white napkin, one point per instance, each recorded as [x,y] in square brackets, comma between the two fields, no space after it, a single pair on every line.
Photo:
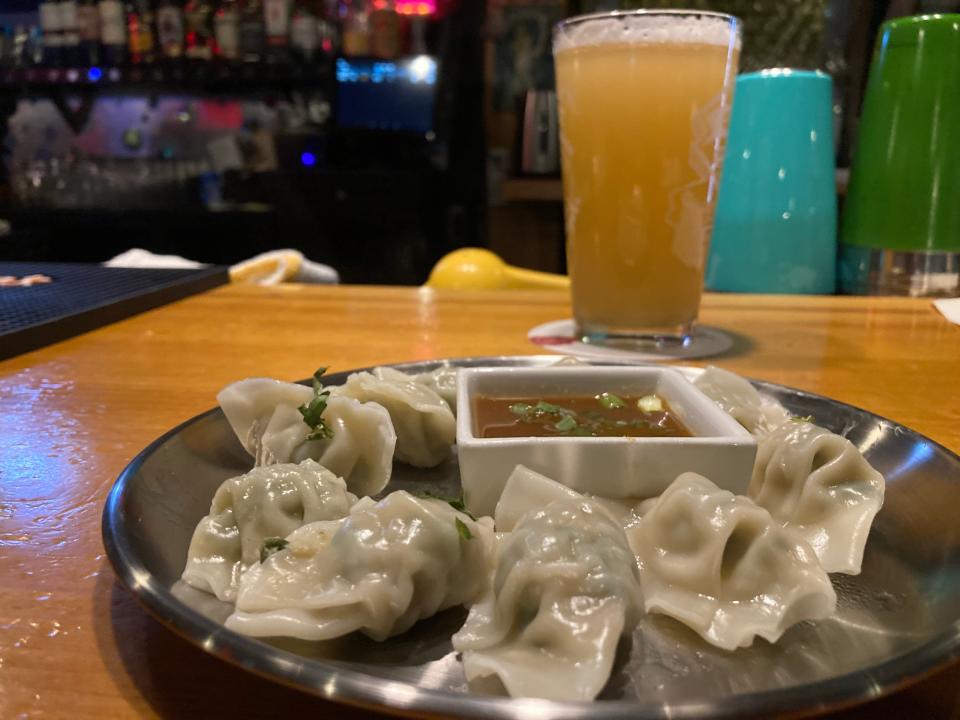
[949,308]
[275,263]
[140,258]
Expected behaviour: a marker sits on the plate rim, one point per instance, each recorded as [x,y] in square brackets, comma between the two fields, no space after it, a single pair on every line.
[338,684]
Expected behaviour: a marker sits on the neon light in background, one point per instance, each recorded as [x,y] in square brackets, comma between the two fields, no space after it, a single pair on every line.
[422,69]
[416,70]
[360,71]
[386,95]
[94,74]
[217,114]
[308,159]
[416,7]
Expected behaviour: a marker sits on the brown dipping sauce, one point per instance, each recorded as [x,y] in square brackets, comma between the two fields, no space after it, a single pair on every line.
[602,415]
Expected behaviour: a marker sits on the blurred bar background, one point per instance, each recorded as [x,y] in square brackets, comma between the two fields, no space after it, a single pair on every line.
[372,135]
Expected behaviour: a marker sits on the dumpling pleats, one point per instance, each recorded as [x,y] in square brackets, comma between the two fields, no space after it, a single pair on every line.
[721,565]
[362,446]
[266,502]
[808,478]
[263,414]
[735,395]
[565,589]
[379,570]
[265,417]
[443,381]
[424,423]
[819,484]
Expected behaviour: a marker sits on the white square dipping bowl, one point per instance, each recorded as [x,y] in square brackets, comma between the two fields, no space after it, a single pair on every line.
[628,467]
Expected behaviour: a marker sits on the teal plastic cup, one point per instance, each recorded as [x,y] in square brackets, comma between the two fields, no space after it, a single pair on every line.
[775,229]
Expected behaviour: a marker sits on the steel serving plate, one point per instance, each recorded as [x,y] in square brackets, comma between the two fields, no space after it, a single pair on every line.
[896,621]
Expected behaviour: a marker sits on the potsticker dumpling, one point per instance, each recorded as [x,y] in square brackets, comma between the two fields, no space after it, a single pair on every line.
[820,485]
[527,490]
[758,413]
[267,502]
[362,445]
[265,417]
[564,591]
[426,427]
[263,414]
[379,570]
[443,381]
[718,563]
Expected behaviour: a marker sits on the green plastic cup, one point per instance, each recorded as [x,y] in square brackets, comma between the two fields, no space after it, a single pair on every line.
[901,223]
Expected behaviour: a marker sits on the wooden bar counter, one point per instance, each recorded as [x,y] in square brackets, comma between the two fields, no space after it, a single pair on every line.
[74,643]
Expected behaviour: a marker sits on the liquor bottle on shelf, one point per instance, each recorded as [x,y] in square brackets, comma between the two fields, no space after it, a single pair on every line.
[88,28]
[140,31]
[13,45]
[385,30]
[251,31]
[52,32]
[69,34]
[20,50]
[304,30]
[198,19]
[226,29]
[170,29]
[328,35]
[418,35]
[276,22]
[33,48]
[356,29]
[113,32]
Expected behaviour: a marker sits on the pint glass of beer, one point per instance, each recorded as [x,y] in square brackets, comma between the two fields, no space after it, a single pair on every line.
[644,98]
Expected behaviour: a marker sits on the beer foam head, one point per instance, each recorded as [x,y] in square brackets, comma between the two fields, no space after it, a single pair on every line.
[641,27]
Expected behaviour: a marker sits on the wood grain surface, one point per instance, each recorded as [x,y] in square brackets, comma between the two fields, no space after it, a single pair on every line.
[73,643]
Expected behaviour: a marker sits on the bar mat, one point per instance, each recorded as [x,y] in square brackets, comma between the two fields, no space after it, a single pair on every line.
[80,297]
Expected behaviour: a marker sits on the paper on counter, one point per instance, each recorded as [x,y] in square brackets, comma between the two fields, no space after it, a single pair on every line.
[949,308]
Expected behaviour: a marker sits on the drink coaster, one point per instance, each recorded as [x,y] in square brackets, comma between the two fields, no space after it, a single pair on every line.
[558,336]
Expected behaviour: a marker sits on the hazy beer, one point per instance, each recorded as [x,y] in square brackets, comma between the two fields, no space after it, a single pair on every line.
[644,100]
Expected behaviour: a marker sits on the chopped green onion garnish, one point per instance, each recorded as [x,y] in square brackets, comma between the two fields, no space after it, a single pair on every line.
[317,381]
[313,411]
[600,420]
[802,419]
[545,407]
[610,401]
[463,529]
[270,546]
